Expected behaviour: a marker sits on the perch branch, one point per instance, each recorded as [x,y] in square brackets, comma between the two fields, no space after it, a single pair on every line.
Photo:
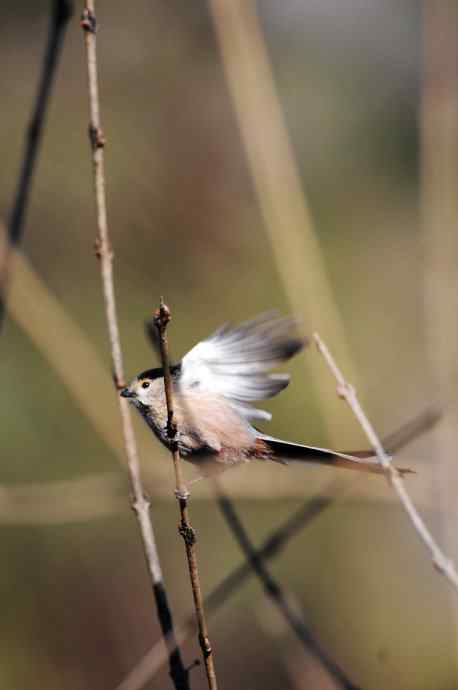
[162,318]
[60,14]
[104,252]
[443,564]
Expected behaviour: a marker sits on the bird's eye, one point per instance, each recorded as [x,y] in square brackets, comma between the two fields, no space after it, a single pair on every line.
[145,384]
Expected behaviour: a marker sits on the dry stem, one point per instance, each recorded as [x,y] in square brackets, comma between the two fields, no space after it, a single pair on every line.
[443,564]
[162,319]
[104,252]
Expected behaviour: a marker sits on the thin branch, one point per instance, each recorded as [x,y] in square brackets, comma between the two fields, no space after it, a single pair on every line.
[140,504]
[443,564]
[61,12]
[162,319]
[276,594]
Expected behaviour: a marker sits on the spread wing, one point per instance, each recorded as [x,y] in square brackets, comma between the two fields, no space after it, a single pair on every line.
[234,362]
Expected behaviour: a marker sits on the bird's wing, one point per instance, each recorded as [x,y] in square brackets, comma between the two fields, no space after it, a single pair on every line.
[233,362]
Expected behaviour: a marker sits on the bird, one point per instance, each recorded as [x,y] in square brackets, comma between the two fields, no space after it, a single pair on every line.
[215,385]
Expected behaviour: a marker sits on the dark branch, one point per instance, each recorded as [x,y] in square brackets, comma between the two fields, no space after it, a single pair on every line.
[61,12]
[276,594]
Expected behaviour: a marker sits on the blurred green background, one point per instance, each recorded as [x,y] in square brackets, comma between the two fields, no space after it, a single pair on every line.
[185,223]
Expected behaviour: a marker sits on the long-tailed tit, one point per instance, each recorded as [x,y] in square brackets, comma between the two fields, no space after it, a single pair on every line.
[214,386]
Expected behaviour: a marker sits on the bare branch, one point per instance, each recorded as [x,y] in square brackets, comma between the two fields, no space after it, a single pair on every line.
[60,14]
[104,252]
[443,564]
[162,319]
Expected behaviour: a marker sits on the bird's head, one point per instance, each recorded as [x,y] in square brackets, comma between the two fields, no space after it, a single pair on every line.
[143,389]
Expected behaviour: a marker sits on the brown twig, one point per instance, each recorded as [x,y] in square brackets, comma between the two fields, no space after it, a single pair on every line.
[104,252]
[443,564]
[162,319]
[60,15]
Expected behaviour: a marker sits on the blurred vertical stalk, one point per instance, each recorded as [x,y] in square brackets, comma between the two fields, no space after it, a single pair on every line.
[439,219]
[276,178]
[104,252]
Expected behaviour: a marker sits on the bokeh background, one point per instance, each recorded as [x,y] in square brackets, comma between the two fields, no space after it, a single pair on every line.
[368,97]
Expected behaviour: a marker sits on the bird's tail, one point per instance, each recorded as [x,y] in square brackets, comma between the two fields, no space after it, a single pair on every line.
[361,460]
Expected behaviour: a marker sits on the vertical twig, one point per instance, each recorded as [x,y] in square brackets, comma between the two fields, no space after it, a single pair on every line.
[104,252]
[162,319]
[348,393]
[60,14]
[275,593]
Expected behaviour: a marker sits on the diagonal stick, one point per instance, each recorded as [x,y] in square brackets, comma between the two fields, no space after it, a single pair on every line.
[277,595]
[60,14]
[344,390]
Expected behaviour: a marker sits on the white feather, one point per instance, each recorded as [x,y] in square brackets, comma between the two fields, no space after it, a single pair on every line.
[234,362]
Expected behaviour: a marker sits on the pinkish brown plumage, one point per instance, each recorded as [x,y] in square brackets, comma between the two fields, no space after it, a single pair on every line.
[215,385]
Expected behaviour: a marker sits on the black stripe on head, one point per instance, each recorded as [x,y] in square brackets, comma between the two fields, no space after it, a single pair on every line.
[151,374]
[158,373]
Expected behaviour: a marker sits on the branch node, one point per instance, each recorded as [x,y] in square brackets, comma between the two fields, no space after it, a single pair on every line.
[140,503]
[345,390]
[205,645]
[88,21]
[188,534]
[182,494]
[162,317]
[103,248]
[96,137]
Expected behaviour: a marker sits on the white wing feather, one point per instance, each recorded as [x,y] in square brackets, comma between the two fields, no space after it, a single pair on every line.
[233,362]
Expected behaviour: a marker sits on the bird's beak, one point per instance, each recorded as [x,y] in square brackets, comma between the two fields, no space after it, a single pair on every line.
[127,393]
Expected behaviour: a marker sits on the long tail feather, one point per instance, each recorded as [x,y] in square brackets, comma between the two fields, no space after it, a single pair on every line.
[362,461]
